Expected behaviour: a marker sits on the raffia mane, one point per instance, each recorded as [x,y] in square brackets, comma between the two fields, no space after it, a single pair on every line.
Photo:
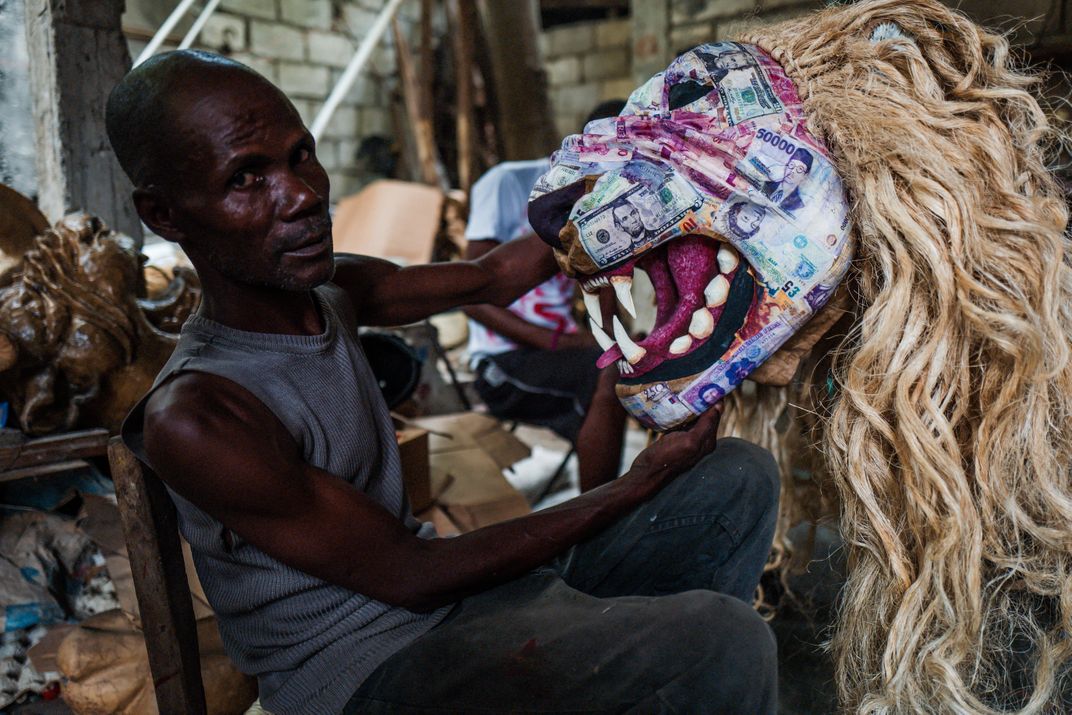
[949,438]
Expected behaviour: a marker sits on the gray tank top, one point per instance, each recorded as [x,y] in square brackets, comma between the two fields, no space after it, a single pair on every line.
[310,643]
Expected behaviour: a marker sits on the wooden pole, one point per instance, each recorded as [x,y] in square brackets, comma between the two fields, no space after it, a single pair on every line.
[525,125]
[427,73]
[150,527]
[77,53]
[463,17]
[421,124]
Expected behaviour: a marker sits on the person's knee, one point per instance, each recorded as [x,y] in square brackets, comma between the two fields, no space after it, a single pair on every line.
[751,473]
[747,476]
[748,628]
[738,656]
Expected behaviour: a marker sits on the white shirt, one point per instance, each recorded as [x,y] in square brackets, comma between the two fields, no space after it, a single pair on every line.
[498,211]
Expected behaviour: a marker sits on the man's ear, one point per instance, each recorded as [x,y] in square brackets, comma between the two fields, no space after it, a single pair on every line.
[781,366]
[156,213]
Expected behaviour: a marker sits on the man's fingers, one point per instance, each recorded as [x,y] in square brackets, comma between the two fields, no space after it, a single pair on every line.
[709,420]
[706,427]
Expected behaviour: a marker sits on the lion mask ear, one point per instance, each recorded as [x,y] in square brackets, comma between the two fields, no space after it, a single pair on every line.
[780,368]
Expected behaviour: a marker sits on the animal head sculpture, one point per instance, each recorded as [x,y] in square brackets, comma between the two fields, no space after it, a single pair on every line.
[947,425]
[77,347]
[711,182]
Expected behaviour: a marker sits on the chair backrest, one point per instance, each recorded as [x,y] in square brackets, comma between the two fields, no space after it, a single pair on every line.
[150,526]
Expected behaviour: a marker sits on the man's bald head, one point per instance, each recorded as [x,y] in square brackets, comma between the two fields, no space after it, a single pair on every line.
[144,107]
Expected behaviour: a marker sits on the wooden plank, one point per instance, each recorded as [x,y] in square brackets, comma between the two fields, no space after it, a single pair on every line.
[150,527]
[427,74]
[524,110]
[42,470]
[60,448]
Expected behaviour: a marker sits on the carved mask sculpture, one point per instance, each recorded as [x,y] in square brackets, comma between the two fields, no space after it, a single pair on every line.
[710,182]
[947,428]
[77,345]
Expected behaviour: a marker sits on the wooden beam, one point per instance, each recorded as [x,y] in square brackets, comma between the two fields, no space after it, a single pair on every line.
[54,448]
[77,53]
[525,125]
[426,78]
[420,123]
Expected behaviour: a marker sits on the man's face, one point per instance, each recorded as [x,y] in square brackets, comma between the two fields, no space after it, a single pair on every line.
[249,197]
[731,61]
[795,171]
[628,219]
[750,217]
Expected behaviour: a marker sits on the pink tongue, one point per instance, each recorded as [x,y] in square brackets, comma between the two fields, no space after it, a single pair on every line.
[679,275]
[693,262]
[612,355]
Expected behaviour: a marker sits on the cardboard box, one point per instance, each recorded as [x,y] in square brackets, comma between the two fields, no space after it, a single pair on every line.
[474,449]
[396,220]
[466,430]
[416,473]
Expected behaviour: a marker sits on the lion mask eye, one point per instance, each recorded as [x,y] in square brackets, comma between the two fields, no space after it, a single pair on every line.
[686,93]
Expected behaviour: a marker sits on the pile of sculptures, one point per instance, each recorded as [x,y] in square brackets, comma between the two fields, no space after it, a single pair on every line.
[80,339]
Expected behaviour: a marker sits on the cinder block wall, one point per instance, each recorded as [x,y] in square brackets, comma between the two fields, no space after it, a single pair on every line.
[303,46]
[586,64]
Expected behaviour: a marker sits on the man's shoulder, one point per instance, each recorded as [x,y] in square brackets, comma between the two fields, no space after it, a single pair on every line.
[200,411]
[189,397]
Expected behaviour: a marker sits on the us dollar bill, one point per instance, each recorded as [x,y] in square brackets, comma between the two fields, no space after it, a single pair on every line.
[624,215]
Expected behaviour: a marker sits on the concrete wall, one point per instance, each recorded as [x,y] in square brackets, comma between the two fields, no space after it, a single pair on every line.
[16,116]
[302,46]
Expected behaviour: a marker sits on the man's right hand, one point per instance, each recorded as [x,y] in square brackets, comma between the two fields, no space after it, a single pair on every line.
[677,451]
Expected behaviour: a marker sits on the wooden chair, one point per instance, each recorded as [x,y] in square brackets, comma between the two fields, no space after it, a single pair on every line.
[150,526]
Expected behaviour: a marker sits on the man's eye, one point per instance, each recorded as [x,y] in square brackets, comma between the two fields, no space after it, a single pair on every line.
[245,180]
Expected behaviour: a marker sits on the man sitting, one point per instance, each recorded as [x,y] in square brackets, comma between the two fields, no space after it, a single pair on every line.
[269,431]
[532,362]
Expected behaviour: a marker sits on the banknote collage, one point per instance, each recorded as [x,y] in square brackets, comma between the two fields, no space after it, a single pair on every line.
[717,145]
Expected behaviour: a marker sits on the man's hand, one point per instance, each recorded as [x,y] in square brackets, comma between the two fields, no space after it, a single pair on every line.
[678,451]
[514,327]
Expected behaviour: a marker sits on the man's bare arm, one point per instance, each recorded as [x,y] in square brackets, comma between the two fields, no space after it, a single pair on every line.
[512,326]
[386,294]
[217,445]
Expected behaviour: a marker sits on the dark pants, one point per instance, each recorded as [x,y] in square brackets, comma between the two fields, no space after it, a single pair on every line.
[652,615]
[552,388]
